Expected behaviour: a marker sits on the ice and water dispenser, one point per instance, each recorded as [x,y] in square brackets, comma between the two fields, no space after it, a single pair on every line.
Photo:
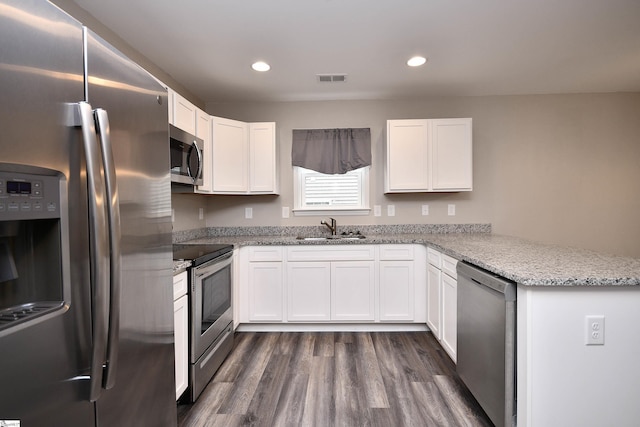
[33,244]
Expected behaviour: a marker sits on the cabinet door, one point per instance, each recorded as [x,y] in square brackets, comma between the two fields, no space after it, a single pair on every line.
[265,291]
[230,156]
[180,284]
[308,291]
[352,290]
[433,300]
[396,290]
[407,163]
[451,154]
[181,333]
[203,130]
[184,114]
[262,158]
[449,315]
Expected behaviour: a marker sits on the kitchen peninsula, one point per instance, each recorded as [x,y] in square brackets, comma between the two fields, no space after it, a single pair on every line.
[560,379]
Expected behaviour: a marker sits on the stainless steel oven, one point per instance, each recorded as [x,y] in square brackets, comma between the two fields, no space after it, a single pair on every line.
[210,311]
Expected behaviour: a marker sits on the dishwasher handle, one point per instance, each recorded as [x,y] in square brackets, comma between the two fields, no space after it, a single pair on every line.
[488,279]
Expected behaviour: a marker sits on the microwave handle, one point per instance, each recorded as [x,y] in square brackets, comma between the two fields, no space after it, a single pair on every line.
[197,149]
[99,248]
[113,219]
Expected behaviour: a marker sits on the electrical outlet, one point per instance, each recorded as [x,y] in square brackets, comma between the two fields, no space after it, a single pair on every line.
[425,210]
[248,213]
[594,330]
[173,215]
[451,210]
[285,212]
[377,210]
[391,210]
[200,213]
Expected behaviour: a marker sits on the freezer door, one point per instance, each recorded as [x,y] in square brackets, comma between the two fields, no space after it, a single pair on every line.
[136,105]
[44,367]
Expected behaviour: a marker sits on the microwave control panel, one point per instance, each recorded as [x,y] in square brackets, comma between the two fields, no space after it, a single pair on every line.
[26,196]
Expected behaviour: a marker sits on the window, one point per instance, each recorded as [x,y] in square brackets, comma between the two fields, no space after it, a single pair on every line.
[318,193]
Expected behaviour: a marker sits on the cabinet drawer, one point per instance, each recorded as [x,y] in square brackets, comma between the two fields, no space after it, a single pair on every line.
[396,252]
[434,257]
[265,253]
[331,253]
[449,266]
[180,283]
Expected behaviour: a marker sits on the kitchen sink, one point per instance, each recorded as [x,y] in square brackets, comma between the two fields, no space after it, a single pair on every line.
[343,236]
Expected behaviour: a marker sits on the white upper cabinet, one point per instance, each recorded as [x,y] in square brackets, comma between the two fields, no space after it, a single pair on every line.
[451,154]
[428,155]
[203,130]
[244,157]
[408,163]
[230,156]
[182,113]
[263,177]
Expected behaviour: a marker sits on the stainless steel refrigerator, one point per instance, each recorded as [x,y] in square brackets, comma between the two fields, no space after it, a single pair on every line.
[86,306]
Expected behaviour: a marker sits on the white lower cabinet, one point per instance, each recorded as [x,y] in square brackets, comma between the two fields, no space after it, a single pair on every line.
[261,292]
[433,299]
[442,300]
[265,291]
[330,291]
[309,291]
[181,331]
[449,337]
[397,283]
[353,290]
[333,284]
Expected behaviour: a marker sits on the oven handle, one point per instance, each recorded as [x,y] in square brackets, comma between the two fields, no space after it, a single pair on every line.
[213,266]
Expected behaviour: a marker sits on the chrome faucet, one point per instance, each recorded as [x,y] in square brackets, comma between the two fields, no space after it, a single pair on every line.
[333,226]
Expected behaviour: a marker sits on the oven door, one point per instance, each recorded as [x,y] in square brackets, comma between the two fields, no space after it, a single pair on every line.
[210,303]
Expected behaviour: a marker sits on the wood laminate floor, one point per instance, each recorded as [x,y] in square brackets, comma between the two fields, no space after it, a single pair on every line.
[335,379]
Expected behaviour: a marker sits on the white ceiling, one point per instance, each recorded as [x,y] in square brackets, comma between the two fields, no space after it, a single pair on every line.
[474,47]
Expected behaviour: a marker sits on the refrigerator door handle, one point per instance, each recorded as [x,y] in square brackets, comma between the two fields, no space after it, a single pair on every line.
[113,219]
[99,249]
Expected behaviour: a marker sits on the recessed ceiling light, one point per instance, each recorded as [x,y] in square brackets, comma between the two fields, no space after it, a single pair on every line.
[416,61]
[261,66]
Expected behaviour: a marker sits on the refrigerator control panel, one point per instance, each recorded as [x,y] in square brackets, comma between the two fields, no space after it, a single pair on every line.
[26,196]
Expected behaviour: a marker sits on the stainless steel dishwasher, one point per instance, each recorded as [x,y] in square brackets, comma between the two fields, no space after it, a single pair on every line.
[487,341]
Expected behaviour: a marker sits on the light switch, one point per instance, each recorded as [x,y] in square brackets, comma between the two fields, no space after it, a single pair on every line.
[391,210]
[285,212]
[451,209]
[248,213]
[377,210]
[200,213]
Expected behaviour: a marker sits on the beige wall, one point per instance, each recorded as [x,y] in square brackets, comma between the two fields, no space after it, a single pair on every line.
[555,168]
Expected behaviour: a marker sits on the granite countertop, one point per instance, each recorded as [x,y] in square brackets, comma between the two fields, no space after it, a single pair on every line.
[525,262]
[180,266]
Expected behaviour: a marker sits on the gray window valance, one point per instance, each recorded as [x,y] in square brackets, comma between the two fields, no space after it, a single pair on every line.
[331,151]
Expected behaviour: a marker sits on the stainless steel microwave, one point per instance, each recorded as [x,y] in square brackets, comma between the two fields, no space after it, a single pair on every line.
[186,157]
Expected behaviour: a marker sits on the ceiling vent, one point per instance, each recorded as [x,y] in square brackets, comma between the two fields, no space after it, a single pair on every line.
[331,78]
